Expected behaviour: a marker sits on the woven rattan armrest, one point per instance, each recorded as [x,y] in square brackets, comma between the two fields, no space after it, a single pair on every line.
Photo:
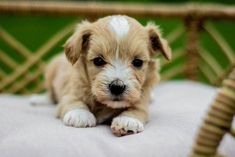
[218,120]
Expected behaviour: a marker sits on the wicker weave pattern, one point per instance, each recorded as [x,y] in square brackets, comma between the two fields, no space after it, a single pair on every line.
[218,120]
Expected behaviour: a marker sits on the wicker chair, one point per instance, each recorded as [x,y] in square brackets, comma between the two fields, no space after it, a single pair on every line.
[217,122]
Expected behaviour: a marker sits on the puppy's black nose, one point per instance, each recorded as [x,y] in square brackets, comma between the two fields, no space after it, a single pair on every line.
[117,87]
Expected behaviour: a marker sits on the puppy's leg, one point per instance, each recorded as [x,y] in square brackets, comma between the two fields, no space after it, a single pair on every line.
[75,113]
[130,121]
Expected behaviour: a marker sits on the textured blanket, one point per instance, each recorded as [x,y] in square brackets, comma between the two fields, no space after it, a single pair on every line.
[176,113]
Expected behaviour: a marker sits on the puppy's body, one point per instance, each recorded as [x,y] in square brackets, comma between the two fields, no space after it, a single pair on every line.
[109,72]
[62,78]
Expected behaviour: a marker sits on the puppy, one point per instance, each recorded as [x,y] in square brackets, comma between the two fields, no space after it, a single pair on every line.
[107,73]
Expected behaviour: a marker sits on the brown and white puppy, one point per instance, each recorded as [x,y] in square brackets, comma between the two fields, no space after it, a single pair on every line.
[107,74]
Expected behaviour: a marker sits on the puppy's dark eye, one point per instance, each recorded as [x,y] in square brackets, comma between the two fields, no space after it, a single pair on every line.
[137,63]
[98,61]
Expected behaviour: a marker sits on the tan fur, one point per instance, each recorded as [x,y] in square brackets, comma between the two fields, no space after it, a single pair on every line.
[77,83]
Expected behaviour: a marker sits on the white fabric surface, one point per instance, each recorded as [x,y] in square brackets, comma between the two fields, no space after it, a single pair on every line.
[175,114]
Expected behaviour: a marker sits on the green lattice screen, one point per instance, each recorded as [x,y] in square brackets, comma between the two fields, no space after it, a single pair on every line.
[27,42]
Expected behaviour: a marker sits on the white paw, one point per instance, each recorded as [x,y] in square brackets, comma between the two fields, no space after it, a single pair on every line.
[124,125]
[40,100]
[79,118]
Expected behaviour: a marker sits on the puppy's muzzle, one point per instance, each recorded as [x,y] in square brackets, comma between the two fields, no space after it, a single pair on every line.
[117,87]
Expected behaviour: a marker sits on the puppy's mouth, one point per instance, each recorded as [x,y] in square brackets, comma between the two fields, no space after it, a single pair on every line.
[116,99]
[115,102]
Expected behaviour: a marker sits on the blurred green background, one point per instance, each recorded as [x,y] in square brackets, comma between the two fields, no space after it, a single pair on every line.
[34,31]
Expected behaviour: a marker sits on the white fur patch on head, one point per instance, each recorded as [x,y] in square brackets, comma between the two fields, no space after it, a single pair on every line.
[42,99]
[119,25]
[123,125]
[79,118]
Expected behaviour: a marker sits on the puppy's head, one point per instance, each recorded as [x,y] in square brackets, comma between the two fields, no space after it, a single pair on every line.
[118,52]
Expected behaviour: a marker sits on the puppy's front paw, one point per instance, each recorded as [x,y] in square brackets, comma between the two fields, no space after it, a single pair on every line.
[79,118]
[124,125]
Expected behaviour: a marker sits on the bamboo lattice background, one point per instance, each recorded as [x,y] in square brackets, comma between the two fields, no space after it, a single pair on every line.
[192,59]
[26,78]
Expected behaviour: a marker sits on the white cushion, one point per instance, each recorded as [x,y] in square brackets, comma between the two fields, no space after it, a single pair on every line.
[176,112]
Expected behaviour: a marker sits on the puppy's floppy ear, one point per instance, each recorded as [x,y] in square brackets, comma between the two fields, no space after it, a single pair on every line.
[156,42]
[78,42]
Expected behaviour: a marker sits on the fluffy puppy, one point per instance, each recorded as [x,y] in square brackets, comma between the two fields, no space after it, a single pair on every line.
[107,73]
